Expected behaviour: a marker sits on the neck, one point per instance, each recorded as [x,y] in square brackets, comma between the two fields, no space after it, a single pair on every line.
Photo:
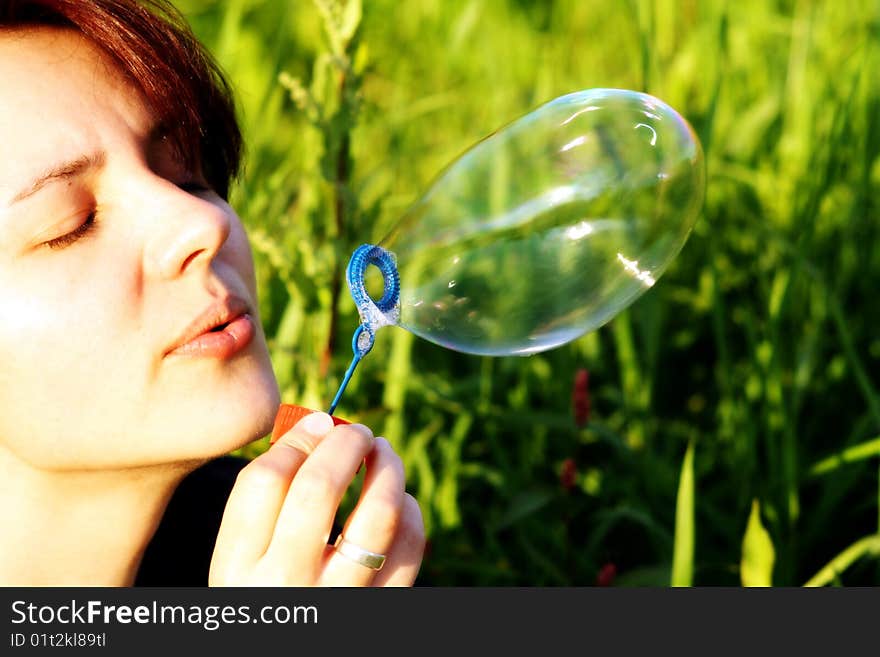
[79,528]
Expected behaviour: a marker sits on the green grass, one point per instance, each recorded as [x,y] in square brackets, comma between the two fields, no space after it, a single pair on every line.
[758,348]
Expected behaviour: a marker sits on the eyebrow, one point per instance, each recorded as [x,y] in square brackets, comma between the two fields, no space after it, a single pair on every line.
[62,171]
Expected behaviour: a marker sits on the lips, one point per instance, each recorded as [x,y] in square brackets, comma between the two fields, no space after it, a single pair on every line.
[220,331]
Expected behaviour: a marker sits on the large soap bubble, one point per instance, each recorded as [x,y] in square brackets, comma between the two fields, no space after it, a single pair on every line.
[541,232]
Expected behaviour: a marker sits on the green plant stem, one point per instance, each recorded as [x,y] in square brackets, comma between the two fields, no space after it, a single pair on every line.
[867,545]
[852,454]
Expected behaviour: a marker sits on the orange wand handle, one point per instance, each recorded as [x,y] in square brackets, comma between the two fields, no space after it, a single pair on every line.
[290,414]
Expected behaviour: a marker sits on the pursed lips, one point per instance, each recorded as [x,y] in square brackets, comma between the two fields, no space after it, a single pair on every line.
[217,315]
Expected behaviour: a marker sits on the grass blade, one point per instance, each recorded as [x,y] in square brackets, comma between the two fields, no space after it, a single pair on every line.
[758,555]
[683,546]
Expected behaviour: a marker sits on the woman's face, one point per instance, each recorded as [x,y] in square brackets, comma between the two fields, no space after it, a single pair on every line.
[109,250]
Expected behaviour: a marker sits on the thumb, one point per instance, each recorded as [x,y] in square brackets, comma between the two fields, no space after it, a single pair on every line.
[306,433]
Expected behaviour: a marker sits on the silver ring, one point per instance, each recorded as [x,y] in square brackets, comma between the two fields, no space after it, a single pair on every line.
[372,560]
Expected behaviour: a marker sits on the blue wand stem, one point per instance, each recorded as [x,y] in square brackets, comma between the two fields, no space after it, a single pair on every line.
[359,352]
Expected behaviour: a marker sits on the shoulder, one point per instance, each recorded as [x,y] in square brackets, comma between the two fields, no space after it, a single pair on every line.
[180,552]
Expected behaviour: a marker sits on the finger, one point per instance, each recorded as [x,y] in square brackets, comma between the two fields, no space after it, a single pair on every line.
[373,523]
[256,499]
[405,557]
[306,517]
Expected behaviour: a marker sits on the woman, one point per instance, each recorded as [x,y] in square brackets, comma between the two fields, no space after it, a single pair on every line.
[130,339]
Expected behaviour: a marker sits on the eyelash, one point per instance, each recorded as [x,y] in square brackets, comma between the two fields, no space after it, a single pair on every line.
[75,235]
[89,224]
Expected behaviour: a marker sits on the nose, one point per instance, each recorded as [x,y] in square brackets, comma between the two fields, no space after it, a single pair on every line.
[189,232]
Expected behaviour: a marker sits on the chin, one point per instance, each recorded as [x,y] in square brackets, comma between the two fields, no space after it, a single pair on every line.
[247,418]
[225,420]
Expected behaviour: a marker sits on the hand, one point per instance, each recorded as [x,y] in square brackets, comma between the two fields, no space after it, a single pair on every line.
[280,513]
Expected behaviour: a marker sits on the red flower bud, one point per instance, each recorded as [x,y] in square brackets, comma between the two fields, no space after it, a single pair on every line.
[568,474]
[580,398]
[606,575]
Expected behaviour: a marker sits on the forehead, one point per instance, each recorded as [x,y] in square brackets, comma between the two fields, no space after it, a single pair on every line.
[60,96]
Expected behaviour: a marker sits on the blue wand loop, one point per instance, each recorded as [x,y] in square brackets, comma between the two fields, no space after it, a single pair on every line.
[374,314]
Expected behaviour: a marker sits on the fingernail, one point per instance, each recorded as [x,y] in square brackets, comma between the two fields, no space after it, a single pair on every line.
[316,424]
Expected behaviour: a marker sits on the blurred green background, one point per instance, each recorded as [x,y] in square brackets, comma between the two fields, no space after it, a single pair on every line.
[733,425]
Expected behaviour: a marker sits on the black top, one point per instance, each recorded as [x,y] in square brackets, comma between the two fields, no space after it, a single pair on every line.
[180,552]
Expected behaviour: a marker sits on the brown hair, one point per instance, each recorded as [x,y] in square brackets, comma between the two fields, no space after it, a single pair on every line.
[154,47]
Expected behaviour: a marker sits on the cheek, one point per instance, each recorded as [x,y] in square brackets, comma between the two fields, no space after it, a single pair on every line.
[65,327]
[75,302]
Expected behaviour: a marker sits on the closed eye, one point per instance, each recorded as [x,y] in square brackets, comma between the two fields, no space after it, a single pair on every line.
[75,235]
